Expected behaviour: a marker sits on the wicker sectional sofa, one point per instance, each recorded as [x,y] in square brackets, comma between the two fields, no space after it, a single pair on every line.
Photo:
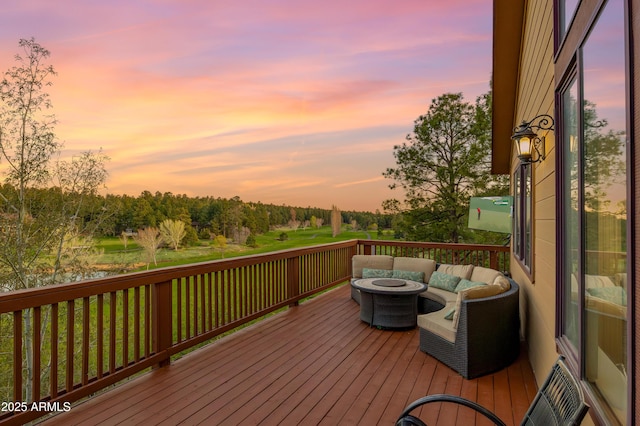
[474,330]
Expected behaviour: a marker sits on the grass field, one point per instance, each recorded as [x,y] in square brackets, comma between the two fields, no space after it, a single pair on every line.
[114,255]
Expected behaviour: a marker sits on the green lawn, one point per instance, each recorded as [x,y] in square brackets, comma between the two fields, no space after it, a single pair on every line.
[114,253]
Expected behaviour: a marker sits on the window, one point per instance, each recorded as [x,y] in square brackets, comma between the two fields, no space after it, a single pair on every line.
[566,9]
[593,221]
[570,219]
[522,245]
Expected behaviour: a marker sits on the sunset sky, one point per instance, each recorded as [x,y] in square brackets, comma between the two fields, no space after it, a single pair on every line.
[291,102]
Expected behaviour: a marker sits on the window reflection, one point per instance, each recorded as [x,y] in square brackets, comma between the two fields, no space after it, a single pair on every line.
[605,208]
[567,10]
[571,222]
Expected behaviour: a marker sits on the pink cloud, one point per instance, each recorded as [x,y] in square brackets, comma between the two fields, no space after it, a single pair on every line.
[285,101]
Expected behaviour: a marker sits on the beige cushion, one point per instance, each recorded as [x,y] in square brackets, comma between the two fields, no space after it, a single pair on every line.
[462,271]
[605,307]
[598,281]
[415,264]
[437,324]
[441,296]
[360,261]
[484,275]
[474,293]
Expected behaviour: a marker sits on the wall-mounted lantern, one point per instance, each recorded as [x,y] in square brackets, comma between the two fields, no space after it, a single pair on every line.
[528,142]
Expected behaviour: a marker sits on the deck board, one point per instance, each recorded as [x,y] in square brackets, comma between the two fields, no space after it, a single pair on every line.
[313,364]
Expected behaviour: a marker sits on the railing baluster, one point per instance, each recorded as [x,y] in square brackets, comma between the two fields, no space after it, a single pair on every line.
[211,310]
[112,331]
[215,285]
[179,309]
[187,306]
[70,344]
[125,327]
[85,339]
[147,321]
[136,324]
[100,336]
[53,373]
[225,299]
[17,356]
[37,367]
[233,306]
[203,302]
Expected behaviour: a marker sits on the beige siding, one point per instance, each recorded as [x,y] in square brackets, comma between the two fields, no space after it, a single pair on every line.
[536,96]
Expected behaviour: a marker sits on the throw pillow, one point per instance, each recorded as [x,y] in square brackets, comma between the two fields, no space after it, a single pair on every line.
[376,273]
[408,275]
[443,281]
[481,292]
[465,284]
[449,315]
[503,282]
[474,293]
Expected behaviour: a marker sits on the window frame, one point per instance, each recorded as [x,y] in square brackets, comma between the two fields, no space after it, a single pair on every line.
[572,69]
[523,209]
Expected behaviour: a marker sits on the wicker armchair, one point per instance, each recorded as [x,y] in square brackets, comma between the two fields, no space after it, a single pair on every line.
[559,401]
[487,338]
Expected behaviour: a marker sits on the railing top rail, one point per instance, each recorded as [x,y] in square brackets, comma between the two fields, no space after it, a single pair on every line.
[417,244]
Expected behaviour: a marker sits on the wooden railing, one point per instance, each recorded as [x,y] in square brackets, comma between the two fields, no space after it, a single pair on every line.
[490,256]
[63,343]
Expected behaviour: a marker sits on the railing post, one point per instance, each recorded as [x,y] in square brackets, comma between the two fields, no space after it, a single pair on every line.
[367,249]
[161,321]
[493,260]
[352,252]
[293,281]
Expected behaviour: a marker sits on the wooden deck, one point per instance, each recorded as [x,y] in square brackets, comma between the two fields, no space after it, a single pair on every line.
[313,364]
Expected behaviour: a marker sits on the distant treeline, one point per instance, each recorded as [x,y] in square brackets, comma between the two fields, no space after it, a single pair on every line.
[114,214]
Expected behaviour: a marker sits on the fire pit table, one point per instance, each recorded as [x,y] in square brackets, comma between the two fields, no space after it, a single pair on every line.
[389,302]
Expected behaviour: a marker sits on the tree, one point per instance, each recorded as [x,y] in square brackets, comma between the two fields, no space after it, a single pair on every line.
[240,235]
[149,239]
[293,224]
[124,237]
[336,221]
[172,232]
[441,165]
[251,241]
[220,242]
[47,213]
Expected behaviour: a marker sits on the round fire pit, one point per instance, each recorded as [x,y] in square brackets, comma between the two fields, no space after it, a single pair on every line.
[389,302]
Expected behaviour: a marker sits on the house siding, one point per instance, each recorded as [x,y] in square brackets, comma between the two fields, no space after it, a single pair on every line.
[535,95]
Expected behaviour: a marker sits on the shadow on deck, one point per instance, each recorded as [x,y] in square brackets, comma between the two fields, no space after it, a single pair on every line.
[313,364]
